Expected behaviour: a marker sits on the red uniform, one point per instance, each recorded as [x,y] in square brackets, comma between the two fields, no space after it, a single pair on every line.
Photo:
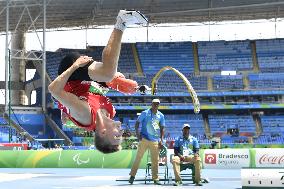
[95,101]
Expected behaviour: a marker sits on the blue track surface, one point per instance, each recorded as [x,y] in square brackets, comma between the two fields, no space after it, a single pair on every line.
[38,178]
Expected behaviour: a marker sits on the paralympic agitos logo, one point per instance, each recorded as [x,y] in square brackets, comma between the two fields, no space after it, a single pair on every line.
[270,159]
[76,159]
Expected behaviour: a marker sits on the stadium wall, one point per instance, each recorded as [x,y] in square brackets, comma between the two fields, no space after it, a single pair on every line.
[211,158]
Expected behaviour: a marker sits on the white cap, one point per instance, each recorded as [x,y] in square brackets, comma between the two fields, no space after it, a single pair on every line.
[186,125]
[156,100]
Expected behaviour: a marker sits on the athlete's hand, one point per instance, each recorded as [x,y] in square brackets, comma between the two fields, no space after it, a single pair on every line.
[83,61]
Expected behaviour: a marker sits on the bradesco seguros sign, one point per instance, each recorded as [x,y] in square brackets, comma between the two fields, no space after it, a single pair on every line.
[226,158]
[273,157]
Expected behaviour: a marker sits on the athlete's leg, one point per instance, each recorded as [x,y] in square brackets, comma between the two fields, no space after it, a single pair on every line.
[106,70]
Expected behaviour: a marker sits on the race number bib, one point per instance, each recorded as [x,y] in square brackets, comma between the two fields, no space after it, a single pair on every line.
[156,125]
[185,152]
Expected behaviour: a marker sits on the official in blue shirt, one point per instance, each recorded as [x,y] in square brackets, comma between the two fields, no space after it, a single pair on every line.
[150,137]
[186,149]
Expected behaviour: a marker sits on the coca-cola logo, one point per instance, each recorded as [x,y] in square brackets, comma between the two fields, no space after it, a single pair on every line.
[271,159]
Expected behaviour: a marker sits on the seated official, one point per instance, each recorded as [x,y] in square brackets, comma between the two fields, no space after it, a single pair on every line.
[184,154]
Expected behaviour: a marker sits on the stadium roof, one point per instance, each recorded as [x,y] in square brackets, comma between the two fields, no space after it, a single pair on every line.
[77,13]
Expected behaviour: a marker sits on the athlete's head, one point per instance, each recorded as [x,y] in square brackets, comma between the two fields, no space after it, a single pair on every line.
[80,74]
[108,135]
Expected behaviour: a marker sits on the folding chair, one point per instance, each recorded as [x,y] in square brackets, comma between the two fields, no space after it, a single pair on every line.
[183,167]
[163,162]
[189,176]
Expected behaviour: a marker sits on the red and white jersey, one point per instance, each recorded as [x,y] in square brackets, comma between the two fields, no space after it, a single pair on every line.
[95,101]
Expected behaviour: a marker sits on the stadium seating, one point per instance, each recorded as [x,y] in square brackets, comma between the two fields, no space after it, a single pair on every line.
[172,84]
[228,82]
[272,123]
[229,140]
[126,61]
[270,139]
[153,56]
[53,59]
[213,57]
[270,55]
[266,81]
[174,125]
[220,123]
[4,131]
[224,55]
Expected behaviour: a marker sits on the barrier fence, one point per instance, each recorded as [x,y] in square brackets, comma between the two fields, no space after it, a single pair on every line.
[211,158]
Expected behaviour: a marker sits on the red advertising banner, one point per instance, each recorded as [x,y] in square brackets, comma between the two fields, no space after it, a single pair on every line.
[13,146]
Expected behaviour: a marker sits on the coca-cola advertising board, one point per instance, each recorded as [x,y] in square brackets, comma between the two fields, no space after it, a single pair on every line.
[269,157]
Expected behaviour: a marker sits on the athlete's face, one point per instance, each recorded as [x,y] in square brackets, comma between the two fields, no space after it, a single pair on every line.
[108,128]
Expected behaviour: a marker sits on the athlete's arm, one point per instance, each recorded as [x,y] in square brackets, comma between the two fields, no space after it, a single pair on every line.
[79,109]
[57,86]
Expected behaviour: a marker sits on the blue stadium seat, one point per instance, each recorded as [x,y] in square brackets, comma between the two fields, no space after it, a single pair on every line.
[266,80]
[220,123]
[270,55]
[228,82]
[153,56]
[224,55]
